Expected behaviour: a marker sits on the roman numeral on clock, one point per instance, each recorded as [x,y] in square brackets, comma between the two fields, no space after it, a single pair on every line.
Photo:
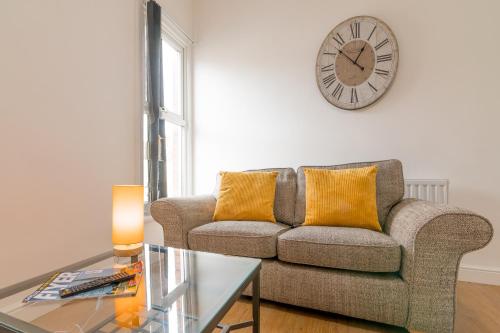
[354,95]
[339,89]
[330,53]
[371,33]
[381,72]
[329,80]
[381,44]
[384,57]
[372,87]
[355,29]
[327,68]
[339,39]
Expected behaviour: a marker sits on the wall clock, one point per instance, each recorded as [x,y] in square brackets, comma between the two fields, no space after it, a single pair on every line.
[357,62]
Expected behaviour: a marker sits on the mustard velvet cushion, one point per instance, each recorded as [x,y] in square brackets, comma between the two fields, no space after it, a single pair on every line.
[342,198]
[246,196]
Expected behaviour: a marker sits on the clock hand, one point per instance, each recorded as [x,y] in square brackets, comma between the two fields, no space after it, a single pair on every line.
[345,55]
[360,67]
[359,54]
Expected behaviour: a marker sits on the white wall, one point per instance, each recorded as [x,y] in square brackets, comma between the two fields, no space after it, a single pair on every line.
[181,12]
[69,129]
[70,126]
[257,103]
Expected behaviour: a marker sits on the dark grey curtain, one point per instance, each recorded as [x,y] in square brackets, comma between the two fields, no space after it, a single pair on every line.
[156,151]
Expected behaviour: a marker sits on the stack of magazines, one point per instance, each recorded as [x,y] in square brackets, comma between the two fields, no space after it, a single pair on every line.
[49,291]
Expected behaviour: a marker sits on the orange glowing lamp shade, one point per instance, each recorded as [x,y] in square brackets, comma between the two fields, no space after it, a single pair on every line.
[128,216]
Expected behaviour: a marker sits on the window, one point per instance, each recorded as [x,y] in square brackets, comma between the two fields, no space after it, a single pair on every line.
[175,58]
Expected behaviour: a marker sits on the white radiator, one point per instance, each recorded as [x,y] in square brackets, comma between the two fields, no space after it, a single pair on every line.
[435,190]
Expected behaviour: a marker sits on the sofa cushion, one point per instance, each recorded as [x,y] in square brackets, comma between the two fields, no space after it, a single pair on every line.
[390,187]
[238,238]
[339,247]
[246,196]
[342,198]
[284,200]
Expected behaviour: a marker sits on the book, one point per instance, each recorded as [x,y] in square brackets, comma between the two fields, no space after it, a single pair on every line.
[49,290]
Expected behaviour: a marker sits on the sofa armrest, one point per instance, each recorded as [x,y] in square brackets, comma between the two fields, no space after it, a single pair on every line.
[433,239]
[178,216]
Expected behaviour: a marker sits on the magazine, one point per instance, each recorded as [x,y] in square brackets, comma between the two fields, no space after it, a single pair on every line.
[49,291]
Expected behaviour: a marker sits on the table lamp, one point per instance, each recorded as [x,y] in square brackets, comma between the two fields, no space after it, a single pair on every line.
[128,220]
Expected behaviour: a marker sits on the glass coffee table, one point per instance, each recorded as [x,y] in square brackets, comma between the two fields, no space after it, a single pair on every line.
[181,291]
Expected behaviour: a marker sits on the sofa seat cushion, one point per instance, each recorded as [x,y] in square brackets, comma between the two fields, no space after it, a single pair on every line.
[238,238]
[339,247]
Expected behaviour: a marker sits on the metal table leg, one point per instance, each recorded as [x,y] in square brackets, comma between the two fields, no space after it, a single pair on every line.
[255,322]
[256,303]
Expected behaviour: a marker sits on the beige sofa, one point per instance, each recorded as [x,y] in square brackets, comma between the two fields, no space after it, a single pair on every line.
[404,276]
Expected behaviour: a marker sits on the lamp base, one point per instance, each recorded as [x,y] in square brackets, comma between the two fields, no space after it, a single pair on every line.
[130,250]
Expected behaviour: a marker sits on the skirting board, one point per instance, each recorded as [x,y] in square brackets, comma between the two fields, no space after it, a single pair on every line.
[479,274]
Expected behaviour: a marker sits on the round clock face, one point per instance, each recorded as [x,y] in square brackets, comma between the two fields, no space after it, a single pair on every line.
[357,62]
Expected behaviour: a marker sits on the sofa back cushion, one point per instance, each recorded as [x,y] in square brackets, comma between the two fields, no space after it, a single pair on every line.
[246,196]
[390,186]
[284,199]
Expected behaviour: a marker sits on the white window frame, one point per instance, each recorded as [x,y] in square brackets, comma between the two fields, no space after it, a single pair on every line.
[181,41]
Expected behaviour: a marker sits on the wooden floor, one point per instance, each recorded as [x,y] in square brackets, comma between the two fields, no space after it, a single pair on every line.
[478,310]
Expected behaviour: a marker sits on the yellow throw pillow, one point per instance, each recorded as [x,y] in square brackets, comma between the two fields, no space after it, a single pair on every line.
[246,196]
[342,198]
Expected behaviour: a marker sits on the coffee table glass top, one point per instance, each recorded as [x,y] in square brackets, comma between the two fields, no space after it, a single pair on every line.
[181,291]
